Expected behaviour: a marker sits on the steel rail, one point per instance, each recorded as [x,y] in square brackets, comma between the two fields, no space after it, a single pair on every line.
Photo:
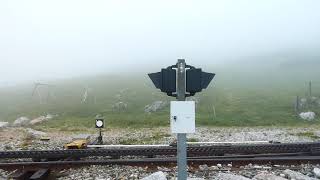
[163,161]
[153,151]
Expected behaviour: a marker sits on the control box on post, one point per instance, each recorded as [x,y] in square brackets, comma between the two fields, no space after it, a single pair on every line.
[182,117]
[181,81]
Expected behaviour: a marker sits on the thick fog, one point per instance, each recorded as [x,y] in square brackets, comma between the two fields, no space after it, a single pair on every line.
[65,38]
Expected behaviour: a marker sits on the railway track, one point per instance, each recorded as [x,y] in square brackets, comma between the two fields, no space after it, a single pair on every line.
[41,170]
[235,160]
[193,151]
[288,153]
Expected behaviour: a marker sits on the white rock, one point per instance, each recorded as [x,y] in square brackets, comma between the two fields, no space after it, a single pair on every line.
[203,167]
[213,168]
[4,124]
[156,176]
[38,120]
[35,133]
[267,176]
[316,172]
[282,175]
[225,176]
[49,116]
[257,167]
[296,175]
[21,121]
[219,165]
[163,169]
[308,115]
[41,119]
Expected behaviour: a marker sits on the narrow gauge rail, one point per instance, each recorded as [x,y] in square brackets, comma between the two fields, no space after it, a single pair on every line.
[235,160]
[193,151]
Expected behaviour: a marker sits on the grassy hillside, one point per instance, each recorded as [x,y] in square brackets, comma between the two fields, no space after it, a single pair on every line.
[243,94]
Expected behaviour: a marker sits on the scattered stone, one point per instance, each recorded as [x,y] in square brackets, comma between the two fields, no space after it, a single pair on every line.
[38,120]
[267,176]
[164,169]
[219,165]
[203,167]
[3,175]
[249,165]
[308,115]
[135,176]
[21,121]
[41,119]
[316,172]
[225,176]
[4,124]
[266,167]
[12,139]
[257,167]
[35,133]
[156,176]
[296,175]
[213,168]
[155,106]
[229,165]
[50,116]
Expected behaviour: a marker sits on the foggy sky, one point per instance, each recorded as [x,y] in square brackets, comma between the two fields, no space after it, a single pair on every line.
[42,39]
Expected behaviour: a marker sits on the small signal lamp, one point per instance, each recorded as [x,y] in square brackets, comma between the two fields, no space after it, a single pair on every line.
[99,123]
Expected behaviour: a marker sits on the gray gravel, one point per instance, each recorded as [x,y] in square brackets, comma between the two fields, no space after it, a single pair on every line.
[3,174]
[267,176]
[23,138]
[129,172]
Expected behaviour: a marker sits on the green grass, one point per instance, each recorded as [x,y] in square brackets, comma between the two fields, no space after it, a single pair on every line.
[147,140]
[308,134]
[240,99]
[192,140]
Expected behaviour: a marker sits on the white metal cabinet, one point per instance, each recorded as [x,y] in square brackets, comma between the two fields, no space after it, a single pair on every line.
[182,116]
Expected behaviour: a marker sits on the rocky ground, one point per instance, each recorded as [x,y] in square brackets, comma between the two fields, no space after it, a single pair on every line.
[27,138]
[255,172]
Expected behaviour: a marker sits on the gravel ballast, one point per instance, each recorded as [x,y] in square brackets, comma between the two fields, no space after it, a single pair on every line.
[13,138]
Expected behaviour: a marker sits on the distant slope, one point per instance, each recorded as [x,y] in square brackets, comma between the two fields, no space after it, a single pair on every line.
[255,91]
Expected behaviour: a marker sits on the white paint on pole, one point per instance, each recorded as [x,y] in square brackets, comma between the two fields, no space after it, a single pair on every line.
[182,116]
